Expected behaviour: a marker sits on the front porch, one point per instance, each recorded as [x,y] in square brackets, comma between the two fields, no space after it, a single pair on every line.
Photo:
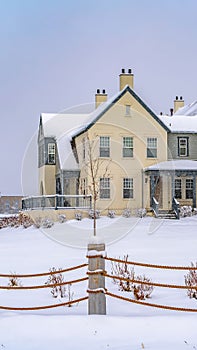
[172,184]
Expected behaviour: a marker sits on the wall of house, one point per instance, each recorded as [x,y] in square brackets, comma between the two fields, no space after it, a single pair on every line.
[116,124]
[173,145]
[47,179]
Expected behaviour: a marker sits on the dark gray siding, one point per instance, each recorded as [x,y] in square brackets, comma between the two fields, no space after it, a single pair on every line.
[173,152]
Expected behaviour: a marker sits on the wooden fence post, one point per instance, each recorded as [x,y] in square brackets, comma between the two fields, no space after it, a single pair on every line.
[96,284]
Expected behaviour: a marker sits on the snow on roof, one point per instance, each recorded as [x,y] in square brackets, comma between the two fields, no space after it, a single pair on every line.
[174,165]
[184,120]
[180,123]
[61,127]
[189,110]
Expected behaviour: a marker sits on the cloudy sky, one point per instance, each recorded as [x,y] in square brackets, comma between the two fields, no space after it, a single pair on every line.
[56,53]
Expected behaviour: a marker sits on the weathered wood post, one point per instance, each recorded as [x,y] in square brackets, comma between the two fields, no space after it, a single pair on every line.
[96,284]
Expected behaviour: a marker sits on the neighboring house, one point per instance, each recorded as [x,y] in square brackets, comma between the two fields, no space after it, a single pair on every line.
[10,204]
[139,155]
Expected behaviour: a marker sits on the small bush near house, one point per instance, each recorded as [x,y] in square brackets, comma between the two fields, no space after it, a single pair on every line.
[141,213]
[62,218]
[47,223]
[140,291]
[78,216]
[16,221]
[38,222]
[91,214]
[185,211]
[195,211]
[57,291]
[126,213]
[111,214]
[191,282]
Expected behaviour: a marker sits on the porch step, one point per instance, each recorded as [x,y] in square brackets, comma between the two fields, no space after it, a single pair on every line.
[166,214]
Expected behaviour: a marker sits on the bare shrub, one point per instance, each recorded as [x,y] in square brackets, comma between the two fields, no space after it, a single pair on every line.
[70,294]
[56,278]
[140,291]
[191,282]
[123,270]
[14,281]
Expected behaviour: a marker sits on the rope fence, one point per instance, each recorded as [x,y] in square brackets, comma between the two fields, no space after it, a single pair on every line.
[44,273]
[155,284]
[46,285]
[94,274]
[152,265]
[42,307]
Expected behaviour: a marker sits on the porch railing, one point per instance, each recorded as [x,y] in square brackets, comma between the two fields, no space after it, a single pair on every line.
[57,202]
[155,206]
[176,207]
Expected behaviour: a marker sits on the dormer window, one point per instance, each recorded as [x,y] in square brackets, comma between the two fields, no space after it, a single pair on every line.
[51,153]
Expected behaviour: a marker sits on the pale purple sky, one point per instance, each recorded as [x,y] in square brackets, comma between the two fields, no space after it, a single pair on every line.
[55,54]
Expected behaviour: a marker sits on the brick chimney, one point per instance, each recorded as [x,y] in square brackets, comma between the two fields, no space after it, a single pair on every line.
[100,97]
[126,78]
[178,103]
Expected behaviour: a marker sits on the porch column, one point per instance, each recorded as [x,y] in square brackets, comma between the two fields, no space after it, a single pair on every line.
[194,191]
[172,185]
[152,189]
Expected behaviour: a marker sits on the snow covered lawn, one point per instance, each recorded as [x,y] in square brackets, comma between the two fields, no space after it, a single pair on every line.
[126,326]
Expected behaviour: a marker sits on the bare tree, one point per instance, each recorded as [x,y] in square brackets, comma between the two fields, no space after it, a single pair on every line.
[94,168]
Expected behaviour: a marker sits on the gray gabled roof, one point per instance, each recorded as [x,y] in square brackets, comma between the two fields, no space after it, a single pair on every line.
[104,107]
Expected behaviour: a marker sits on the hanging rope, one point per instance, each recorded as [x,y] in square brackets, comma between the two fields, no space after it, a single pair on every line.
[45,285]
[44,273]
[151,265]
[150,283]
[166,307]
[10,308]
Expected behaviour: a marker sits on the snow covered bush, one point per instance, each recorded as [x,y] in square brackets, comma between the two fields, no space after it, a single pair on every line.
[195,211]
[126,213]
[61,218]
[91,214]
[56,278]
[78,216]
[47,223]
[185,211]
[38,222]
[141,213]
[140,291]
[191,281]
[111,214]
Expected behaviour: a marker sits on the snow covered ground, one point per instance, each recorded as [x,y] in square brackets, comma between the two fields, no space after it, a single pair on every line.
[126,326]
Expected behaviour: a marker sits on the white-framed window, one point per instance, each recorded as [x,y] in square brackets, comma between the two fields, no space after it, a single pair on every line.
[189,188]
[177,190]
[127,110]
[104,150]
[127,150]
[51,153]
[127,187]
[183,148]
[151,147]
[104,187]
